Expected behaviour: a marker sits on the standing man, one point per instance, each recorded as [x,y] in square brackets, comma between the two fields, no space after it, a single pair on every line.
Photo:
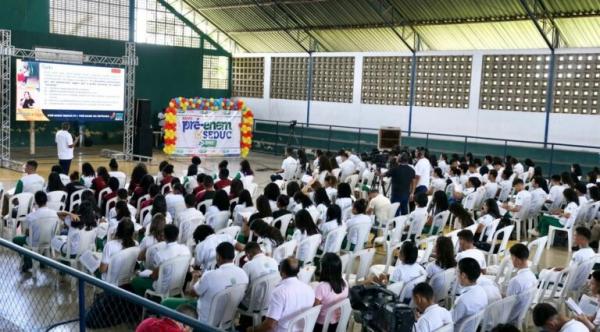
[403,183]
[64,145]
[423,173]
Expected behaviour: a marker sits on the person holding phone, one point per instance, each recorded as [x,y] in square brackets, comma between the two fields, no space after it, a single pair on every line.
[65,145]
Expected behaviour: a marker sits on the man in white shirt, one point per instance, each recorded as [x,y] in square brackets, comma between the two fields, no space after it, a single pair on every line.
[581,190]
[379,205]
[175,200]
[290,298]
[115,173]
[32,223]
[206,243]
[582,241]
[171,250]
[422,173]
[429,315]
[31,182]
[547,317]
[190,212]
[491,187]
[521,283]
[473,298]
[347,167]
[522,201]
[289,164]
[213,282]
[64,146]
[467,249]
[258,265]
[555,197]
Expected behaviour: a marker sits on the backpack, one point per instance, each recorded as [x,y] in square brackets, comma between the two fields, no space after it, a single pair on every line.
[381,310]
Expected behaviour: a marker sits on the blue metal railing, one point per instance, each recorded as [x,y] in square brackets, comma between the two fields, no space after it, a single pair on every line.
[83,279]
[327,140]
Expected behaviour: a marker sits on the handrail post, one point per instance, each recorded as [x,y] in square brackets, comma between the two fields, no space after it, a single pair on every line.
[276,136]
[465,146]
[302,136]
[551,158]
[358,145]
[505,148]
[427,141]
[81,296]
[329,139]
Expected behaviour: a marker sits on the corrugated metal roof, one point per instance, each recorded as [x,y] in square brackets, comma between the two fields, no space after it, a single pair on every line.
[357,25]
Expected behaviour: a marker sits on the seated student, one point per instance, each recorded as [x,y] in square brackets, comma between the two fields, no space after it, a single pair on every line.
[84,219]
[153,191]
[491,187]
[159,176]
[289,163]
[283,201]
[245,170]
[200,184]
[220,203]
[190,179]
[581,190]
[141,189]
[438,204]
[522,201]
[113,184]
[189,213]
[322,202]
[539,192]
[406,268]
[561,218]
[429,315]
[138,172]
[305,227]
[208,192]
[331,289]
[290,297]
[473,298]
[359,208]
[87,175]
[333,221]
[196,161]
[330,184]
[243,204]
[344,196]
[592,322]
[115,173]
[291,188]
[257,266]
[54,183]
[438,181]
[100,181]
[443,252]
[523,281]
[175,198]
[505,185]
[547,317]
[489,213]
[269,237]
[303,202]
[582,240]
[170,251]
[167,175]
[206,243]
[64,178]
[467,249]
[32,222]
[123,239]
[31,182]
[222,165]
[235,189]
[272,192]
[165,324]
[379,205]
[463,216]
[122,196]
[158,206]
[223,179]
[155,235]
[121,212]
[347,167]
[418,217]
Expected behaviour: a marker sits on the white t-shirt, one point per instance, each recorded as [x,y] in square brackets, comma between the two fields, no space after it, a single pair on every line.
[521,283]
[111,248]
[63,139]
[289,298]
[260,265]
[407,272]
[122,177]
[523,199]
[32,183]
[212,282]
[438,184]
[487,221]
[433,318]
[206,251]
[347,168]
[423,171]
[572,208]
[354,234]
[171,250]
[574,326]
[491,188]
[474,253]
[472,300]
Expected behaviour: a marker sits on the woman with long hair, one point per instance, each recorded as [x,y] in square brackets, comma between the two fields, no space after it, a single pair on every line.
[220,203]
[100,181]
[444,257]
[154,236]
[84,219]
[158,206]
[331,289]
[438,204]
[463,216]
[561,217]
[244,204]
[269,237]
[123,240]
[142,189]
[87,174]
[344,195]
[245,169]
[55,183]
[489,213]
[305,227]
[272,191]
[235,188]
[138,172]
[263,209]
[322,202]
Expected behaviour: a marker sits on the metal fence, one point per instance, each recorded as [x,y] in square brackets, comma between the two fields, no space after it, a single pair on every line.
[56,297]
[273,136]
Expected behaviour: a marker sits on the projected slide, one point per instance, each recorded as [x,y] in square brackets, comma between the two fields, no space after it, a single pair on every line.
[58,92]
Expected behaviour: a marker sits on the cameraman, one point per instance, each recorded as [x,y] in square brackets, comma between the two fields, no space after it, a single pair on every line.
[403,183]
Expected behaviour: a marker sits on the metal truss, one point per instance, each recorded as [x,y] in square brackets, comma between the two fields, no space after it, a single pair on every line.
[130,61]
[544,22]
[5,79]
[284,20]
[400,25]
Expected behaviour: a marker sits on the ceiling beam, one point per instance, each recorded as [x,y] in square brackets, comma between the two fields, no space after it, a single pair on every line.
[266,3]
[544,23]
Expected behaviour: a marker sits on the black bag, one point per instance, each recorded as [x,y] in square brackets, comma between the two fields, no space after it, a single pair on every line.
[380,309]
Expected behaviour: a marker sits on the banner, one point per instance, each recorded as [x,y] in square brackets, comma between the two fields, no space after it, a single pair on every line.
[214,133]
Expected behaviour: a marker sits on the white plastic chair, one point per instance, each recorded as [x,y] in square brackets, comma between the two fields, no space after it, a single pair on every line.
[260,294]
[424,255]
[166,188]
[490,255]
[21,203]
[232,231]
[439,220]
[334,240]
[75,199]
[218,220]
[540,245]
[345,309]
[306,274]
[87,241]
[145,211]
[311,245]
[362,230]
[446,328]
[41,237]
[111,203]
[101,194]
[308,317]
[252,188]
[205,203]
[171,276]
[125,262]
[552,231]
[498,312]
[407,288]
[224,306]
[469,324]
[57,200]
[187,228]
[365,259]
[284,250]
[441,283]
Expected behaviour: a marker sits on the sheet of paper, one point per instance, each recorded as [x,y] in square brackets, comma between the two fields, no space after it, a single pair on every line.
[90,261]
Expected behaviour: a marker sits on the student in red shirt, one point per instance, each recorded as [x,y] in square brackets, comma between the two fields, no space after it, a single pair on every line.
[100,181]
[165,324]
[167,174]
[153,191]
[208,192]
[223,179]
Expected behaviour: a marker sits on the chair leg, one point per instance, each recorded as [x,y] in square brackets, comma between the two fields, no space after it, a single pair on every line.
[569,241]
[550,238]
[518,222]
